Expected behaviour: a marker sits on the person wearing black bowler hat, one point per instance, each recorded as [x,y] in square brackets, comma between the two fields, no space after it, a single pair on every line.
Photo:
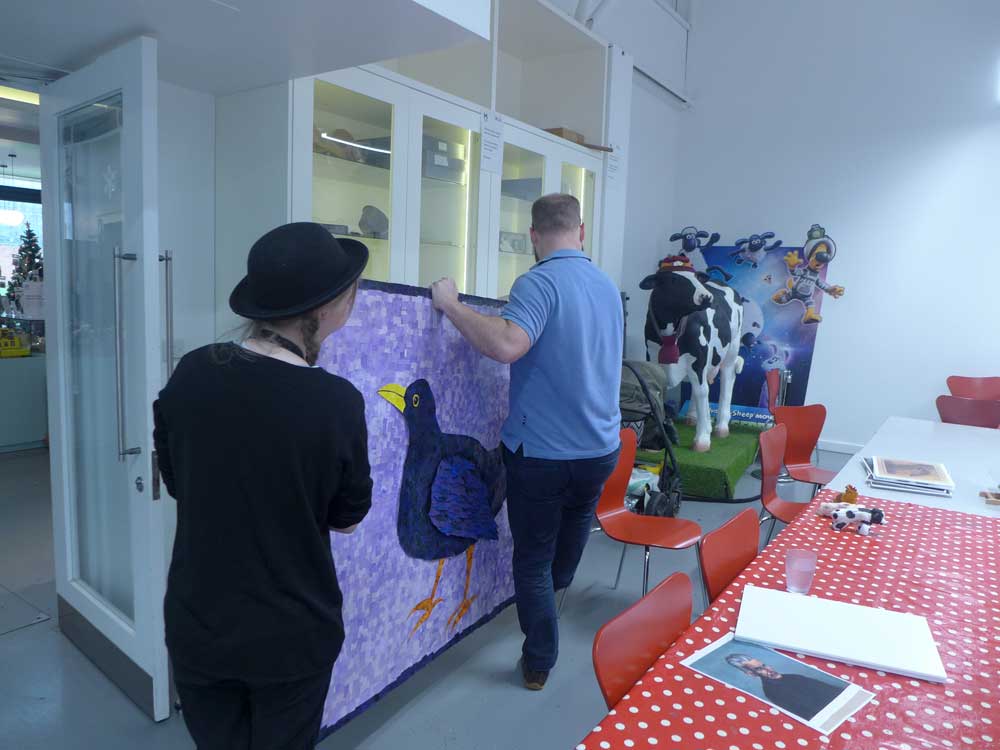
[265,454]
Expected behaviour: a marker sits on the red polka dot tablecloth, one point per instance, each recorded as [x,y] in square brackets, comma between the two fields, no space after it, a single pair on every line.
[942,564]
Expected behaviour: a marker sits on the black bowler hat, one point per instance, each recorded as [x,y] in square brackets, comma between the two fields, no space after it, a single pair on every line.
[294,269]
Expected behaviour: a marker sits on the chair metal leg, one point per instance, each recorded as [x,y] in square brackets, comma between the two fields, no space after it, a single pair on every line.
[770,531]
[620,563]
[701,571]
[645,574]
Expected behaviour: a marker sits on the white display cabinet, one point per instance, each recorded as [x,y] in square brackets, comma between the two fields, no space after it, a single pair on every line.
[396,164]
[390,154]
[536,163]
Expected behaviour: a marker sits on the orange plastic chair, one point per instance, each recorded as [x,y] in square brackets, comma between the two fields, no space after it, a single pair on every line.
[804,423]
[628,645]
[982,388]
[627,527]
[772,451]
[725,552]
[973,412]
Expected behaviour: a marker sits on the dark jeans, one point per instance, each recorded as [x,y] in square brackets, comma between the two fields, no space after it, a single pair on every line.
[550,505]
[240,715]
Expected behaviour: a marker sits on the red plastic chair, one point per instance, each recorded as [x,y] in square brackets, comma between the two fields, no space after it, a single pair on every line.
[773,379]
[982,388]
[804,423]
[628,645]
[725,552]
[973,412]
[627,527]
[772,451]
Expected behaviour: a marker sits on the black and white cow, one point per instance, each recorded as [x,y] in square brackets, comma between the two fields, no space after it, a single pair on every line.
[705,318]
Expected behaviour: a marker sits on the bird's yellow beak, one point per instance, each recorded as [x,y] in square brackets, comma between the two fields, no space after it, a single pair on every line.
[394,394]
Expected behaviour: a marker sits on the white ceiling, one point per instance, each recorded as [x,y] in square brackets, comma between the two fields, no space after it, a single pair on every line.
[18,121]
[223,46]
[25,165]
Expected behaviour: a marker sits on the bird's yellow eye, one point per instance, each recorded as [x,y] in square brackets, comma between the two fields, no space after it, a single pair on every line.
[416,400]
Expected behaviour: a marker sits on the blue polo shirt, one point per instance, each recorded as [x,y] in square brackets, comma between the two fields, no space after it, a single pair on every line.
[564,391]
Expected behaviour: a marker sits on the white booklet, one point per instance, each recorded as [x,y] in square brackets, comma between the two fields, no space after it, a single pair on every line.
[897,642]
[817,699]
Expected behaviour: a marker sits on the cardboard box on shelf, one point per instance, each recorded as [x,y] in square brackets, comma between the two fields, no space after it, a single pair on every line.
[569,135]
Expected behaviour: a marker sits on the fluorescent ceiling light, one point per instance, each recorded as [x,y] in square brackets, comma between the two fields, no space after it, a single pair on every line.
[11,218]
[356,145]
[17,95]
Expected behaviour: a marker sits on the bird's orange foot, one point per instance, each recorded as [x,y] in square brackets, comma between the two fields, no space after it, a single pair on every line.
[462,611]
[426,606]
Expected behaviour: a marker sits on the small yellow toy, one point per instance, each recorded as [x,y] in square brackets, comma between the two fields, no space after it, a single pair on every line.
[849,495]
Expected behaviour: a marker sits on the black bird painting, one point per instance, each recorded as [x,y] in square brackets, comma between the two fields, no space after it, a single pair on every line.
[451,490]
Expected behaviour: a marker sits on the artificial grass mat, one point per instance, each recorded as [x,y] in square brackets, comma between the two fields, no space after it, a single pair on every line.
[713,474]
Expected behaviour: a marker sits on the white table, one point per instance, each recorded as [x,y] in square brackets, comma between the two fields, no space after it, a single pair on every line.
[971,454]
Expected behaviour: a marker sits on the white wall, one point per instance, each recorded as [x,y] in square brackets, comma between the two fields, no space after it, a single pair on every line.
[251,180]
[652,180]
[187,210]
[882,122]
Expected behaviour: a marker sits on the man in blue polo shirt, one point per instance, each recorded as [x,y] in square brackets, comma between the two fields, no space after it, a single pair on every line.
[562,334]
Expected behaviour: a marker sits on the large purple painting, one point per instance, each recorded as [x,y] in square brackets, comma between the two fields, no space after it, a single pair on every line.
[406,600]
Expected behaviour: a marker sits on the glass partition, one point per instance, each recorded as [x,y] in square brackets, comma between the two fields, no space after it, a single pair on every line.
[90,195]
[520,186]
[352,170]
[580,183]
[449,204]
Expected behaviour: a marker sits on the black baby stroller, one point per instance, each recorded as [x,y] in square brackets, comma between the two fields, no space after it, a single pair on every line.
[643,406]
[640,411]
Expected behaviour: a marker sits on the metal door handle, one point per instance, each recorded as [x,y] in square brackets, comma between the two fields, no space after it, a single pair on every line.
[168,286]
[156,475]
[119,348]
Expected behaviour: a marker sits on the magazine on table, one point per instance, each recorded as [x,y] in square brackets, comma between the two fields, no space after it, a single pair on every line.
[817,699]
[904,486]
[917,473]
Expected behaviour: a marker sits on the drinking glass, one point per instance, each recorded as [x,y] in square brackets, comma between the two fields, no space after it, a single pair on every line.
[800,565]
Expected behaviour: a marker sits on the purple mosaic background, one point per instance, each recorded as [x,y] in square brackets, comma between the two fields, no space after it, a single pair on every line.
[398,338]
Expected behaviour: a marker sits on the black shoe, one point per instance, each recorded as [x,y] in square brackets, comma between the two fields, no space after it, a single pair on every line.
[533,679]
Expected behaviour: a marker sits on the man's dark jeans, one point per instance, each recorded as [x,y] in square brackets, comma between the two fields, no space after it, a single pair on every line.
[551,506]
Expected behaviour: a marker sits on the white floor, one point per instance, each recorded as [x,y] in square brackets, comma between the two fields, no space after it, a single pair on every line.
[51,696]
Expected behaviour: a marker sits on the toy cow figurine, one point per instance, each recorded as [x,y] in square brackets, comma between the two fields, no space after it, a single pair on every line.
[863,518]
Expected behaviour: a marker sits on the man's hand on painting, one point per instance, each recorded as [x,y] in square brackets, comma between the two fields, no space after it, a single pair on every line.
[444,293]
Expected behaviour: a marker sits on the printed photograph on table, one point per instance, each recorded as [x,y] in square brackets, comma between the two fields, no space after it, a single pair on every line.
[809,695]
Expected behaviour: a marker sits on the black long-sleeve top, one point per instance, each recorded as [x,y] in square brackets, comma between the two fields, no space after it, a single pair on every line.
[263,458]
[803,696]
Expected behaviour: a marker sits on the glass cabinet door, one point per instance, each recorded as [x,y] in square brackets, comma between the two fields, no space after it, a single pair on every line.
[449,204]
[352,170]
[520,186]
[580,183]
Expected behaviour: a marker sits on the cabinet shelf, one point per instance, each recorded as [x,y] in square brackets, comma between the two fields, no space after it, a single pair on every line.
[442,243]
[382,167]
[366,240]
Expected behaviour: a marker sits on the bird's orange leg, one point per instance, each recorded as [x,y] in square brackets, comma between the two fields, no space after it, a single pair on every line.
[463,608]
[427,605]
